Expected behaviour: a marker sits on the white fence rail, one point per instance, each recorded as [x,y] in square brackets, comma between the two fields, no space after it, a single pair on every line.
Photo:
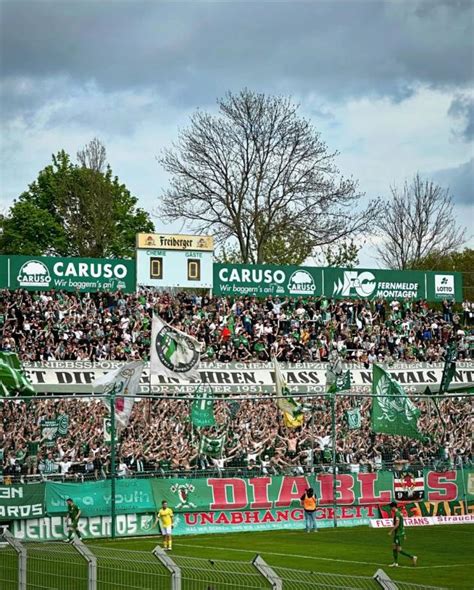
[75,566]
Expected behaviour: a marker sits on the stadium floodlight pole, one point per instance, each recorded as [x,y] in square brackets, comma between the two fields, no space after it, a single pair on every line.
[112,463]
[333,435]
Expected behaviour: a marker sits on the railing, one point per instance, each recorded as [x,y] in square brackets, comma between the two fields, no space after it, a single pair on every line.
[77,566]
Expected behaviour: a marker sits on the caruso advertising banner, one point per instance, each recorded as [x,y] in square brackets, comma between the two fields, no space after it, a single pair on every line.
[240,378]
[43,273]
[338,283]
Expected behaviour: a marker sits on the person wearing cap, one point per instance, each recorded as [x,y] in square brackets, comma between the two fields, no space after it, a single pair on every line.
[308,500]
[73,513]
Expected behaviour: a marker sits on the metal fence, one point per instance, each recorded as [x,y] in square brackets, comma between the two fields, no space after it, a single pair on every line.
[76,566]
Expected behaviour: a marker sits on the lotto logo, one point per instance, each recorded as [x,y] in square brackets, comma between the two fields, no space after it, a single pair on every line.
[444,285]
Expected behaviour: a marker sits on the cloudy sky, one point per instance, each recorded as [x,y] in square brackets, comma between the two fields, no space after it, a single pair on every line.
[388,84]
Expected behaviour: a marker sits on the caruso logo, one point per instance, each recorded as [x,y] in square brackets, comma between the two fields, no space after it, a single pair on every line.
[34,274]
[301,283]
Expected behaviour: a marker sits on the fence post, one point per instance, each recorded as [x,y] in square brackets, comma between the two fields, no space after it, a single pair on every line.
[170,565]
[91,561]
[267,572]
[21,551]
[384,581]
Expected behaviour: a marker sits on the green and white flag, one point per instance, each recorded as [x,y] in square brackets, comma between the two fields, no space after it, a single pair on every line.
[353,418]
[449,369]
[212,446]
[392,410]
[124,382]
[173,353]
[202,409]
[284,400]
[12,380]
[340,382]
[107,430]
[49,432]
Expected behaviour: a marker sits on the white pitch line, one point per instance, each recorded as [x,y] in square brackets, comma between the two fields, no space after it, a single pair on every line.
[253,551]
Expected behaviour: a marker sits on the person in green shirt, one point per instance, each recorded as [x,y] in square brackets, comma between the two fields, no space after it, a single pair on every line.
[398,533]
[73,514]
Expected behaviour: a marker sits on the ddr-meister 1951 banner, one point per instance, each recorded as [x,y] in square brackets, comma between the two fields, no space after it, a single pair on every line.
[240,378]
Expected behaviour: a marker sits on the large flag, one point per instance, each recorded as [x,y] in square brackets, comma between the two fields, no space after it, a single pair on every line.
[173,352]
[212,446]
[125,383]
[12,379]
[292,411]
[202,409]
[392,410]
[449,369]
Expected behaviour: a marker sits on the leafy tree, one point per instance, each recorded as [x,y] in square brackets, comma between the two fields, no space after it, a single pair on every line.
[253,171]
[462,261]
[344,254]
[416,222]
[74,210]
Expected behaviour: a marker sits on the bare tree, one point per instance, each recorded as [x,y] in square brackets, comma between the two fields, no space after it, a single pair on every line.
[417,221]
[254,169]
[93,156]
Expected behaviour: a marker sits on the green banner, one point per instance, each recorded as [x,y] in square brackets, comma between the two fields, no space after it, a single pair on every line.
[21,501]
[44,273]
[94,498]
[221,504]
[258,280]
[338,283]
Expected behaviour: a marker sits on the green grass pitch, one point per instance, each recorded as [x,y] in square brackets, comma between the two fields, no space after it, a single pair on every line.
[445,553]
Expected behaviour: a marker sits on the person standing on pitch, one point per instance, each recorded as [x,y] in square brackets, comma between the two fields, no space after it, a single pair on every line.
[398,532]
[308,500]
[165,517]
[73,514]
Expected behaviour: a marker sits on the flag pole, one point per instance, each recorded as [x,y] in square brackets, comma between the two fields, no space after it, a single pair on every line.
[112,462]
[333,434]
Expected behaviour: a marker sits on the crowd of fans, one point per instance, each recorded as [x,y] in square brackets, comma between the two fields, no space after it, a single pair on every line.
[160,438]
[44,326]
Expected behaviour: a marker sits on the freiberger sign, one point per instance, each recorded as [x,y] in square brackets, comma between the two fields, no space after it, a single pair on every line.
[240,378]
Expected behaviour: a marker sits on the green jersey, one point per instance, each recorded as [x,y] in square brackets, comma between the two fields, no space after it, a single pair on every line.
[73,511]
[400,531]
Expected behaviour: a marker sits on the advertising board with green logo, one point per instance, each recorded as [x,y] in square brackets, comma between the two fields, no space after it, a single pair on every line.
[258,280]
[45,273]
[373,284]
[336,283]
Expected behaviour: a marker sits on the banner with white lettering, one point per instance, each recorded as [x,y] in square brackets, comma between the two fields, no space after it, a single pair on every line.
[240,378]
[21,501]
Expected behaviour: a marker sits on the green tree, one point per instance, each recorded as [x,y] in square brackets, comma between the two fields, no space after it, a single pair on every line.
[462,261]
[345,254]
[74,210]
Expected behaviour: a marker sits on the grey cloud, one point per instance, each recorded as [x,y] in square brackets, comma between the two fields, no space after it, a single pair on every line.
[459,180]
[192,52]
[462,107]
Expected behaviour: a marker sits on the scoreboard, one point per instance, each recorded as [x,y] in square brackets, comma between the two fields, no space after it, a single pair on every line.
[174,260]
